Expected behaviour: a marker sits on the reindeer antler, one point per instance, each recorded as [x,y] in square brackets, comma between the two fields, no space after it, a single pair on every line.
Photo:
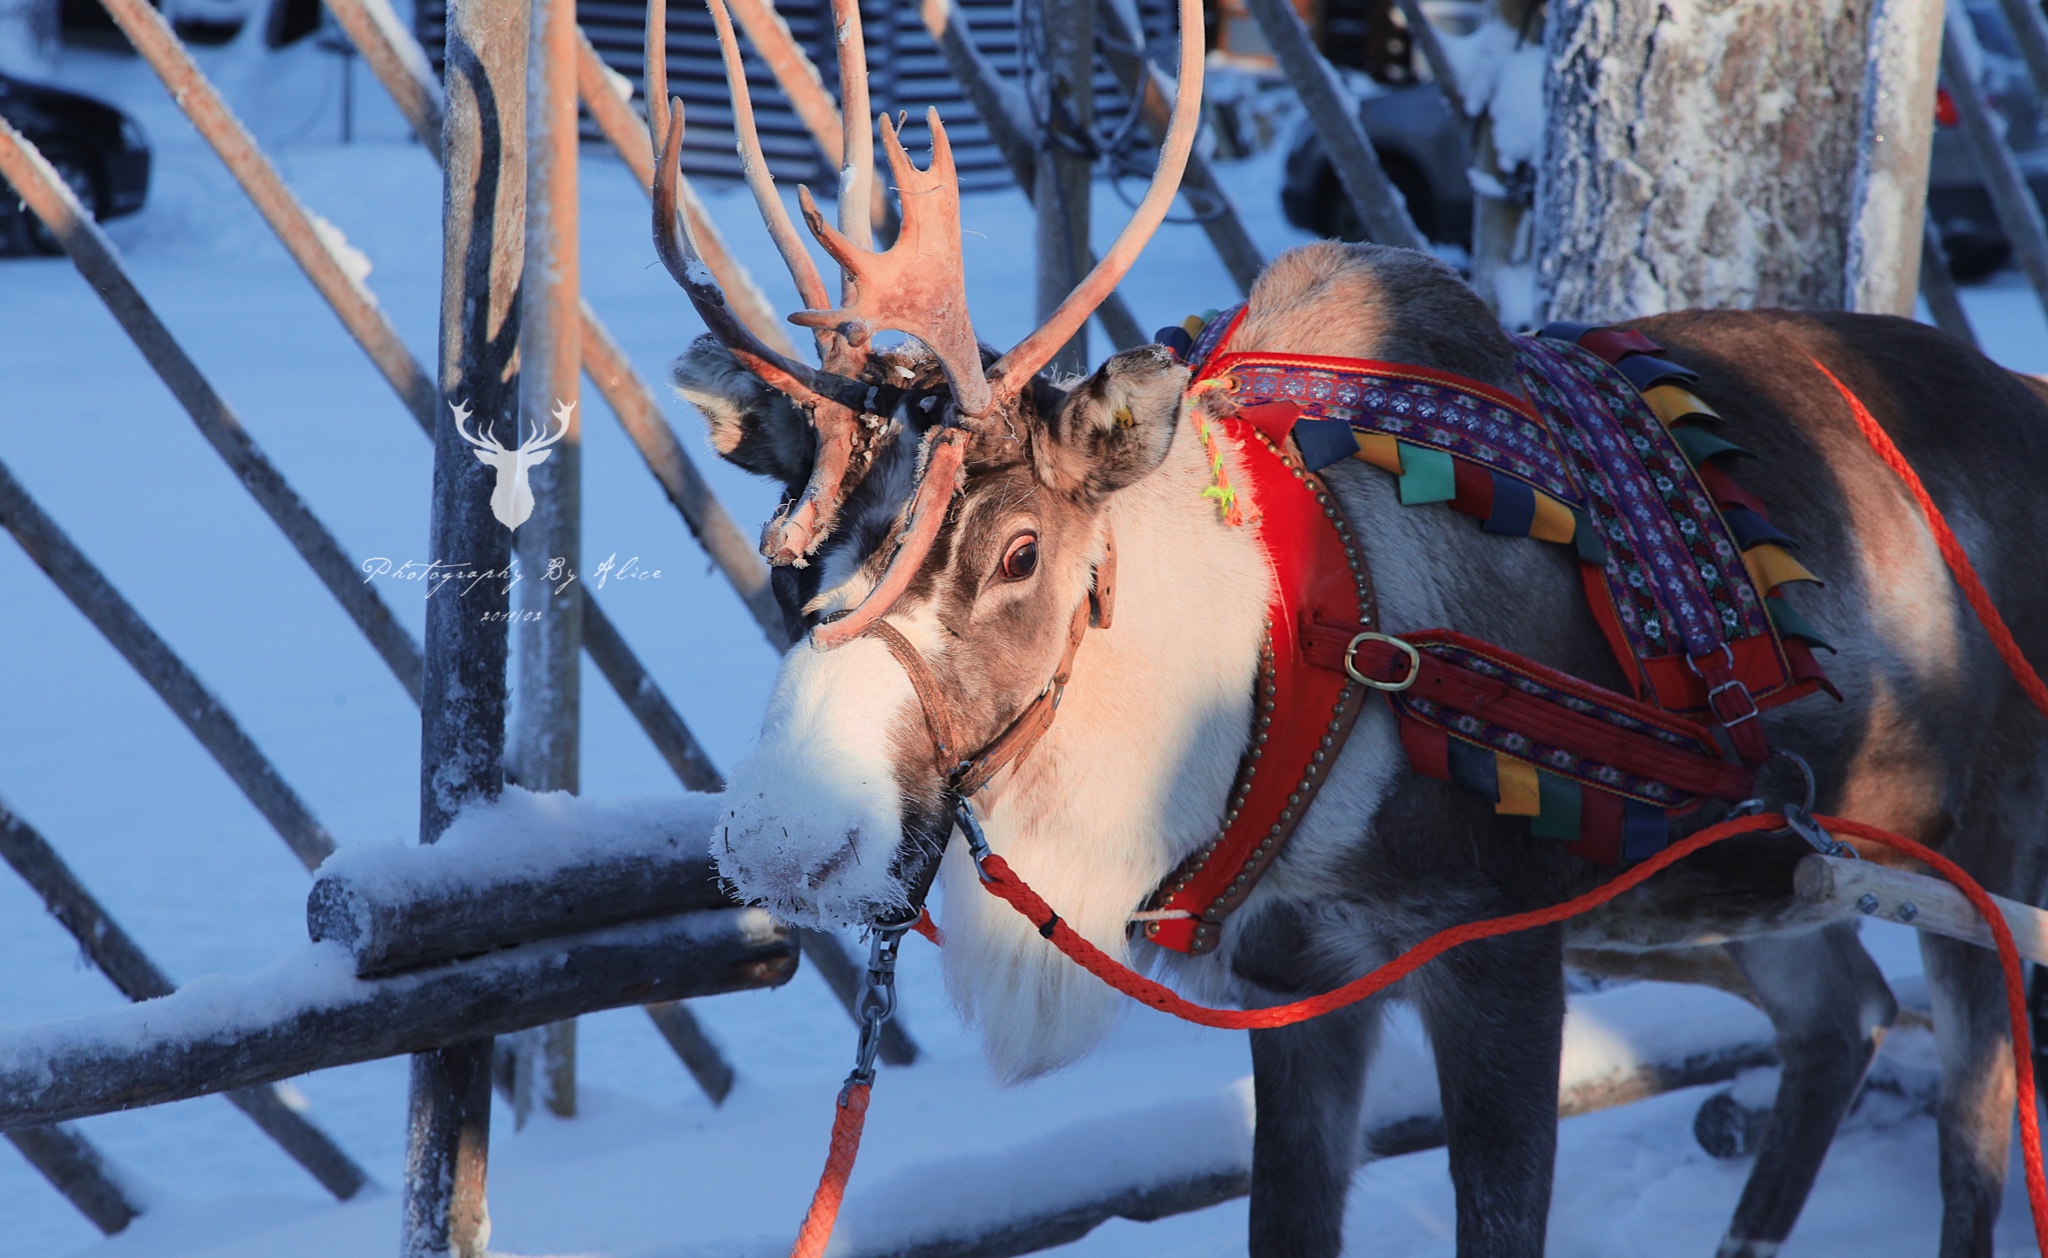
[805,385]
[919,285]
[1015,369]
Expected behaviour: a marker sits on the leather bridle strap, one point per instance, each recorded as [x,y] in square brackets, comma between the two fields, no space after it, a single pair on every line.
[965,775]
[937,716]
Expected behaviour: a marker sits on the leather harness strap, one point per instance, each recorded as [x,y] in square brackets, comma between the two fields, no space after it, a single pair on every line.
[938,719]
[966,775]
[1424,674]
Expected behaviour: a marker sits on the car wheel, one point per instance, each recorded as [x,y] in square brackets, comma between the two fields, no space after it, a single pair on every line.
[79,174]
[1341,220]
[1972,258]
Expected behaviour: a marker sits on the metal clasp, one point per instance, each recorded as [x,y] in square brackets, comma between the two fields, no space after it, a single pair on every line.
[1801,823]
[1351,666]
[876,1003]
[970,825]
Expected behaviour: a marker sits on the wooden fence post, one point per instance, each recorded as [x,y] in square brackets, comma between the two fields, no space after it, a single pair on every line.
[1008,119]
[1064,97]
[546,735]
[462,717]
[1381,212]
[2018,213]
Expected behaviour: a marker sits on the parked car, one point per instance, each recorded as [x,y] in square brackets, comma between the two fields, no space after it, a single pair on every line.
[1423,149]
[1421,145]
[100,151]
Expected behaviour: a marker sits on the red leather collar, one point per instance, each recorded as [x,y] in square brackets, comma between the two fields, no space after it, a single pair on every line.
[1318,576]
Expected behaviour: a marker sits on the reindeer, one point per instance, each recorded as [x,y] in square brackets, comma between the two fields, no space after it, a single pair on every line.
[950,511]
[511,494]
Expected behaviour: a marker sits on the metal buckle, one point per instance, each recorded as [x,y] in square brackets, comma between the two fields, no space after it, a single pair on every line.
[1351,668]
[1714,692]
[1799,817]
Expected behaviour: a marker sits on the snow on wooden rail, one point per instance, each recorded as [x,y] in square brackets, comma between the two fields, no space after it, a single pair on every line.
[526,868]
[562,906]
[1621,1045]
[309,1011]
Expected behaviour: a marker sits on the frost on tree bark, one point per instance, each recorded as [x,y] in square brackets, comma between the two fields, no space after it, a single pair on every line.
[1699,153]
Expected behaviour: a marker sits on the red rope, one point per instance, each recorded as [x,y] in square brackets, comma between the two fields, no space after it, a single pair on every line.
[1951,550]
[824,1211]
[1004,883]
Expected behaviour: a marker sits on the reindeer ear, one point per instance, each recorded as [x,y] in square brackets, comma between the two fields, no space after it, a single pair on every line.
[1116,426]
[751,425]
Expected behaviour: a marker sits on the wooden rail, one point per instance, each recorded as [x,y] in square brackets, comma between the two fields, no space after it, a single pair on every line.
[180,689]
[116,954]
[52,201]
[75,1168]
[1381,211]
[300,1015]
[1938,287]
[2018,213]
[395,926]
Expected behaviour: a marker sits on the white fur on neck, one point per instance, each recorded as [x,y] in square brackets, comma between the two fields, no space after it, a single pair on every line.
[1131,777]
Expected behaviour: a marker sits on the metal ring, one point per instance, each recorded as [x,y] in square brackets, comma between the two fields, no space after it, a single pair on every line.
[1414,662]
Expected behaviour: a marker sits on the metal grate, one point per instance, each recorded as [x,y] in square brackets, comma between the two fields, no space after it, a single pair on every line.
[905,74]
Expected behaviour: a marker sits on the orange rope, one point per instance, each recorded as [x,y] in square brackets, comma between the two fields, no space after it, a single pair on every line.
[1951,550]
[1004,883]
[824,1211]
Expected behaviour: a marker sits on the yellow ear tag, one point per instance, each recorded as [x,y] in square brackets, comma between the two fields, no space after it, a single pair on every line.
[1123,417]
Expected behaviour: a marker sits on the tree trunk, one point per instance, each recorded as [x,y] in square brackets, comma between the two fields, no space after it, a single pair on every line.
[1699,154]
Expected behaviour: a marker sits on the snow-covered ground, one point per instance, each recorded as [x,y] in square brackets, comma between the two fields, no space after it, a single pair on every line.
[91,757]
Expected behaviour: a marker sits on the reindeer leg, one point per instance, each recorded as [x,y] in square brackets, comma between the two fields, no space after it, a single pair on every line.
[1495,1012]
[1308,1082]
[1975,1119]
[1830,1007]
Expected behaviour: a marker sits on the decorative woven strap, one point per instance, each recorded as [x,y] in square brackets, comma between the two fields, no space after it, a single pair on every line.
[1549,707]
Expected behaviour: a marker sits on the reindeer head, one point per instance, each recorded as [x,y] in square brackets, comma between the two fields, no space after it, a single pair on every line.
[950,490]
[511,495]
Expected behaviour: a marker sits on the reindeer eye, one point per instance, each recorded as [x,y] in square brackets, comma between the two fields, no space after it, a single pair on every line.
[1021,560]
